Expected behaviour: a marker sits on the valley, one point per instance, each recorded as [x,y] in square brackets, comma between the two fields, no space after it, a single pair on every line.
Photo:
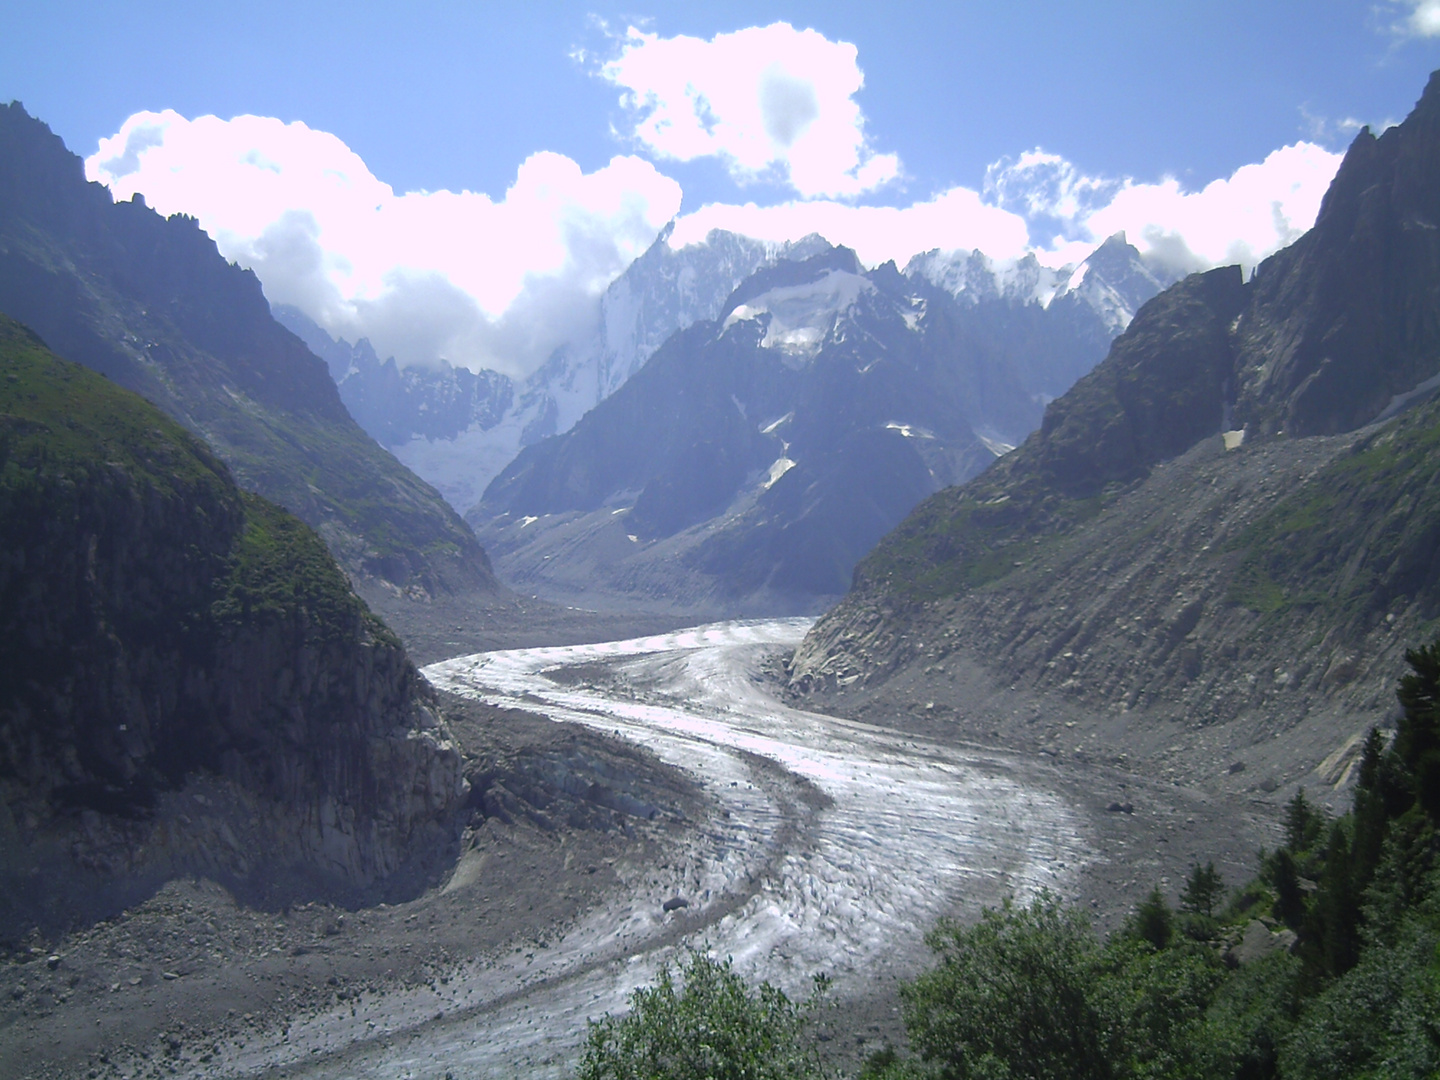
[800,843]
[429,619]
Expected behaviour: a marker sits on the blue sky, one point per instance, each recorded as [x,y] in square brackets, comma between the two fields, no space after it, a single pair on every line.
[1120,97]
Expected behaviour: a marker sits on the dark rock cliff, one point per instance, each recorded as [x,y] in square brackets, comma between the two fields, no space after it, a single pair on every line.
[150,303]
[187,683]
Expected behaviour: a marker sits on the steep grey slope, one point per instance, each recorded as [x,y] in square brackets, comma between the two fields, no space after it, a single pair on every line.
[1123,560]
[756,456]
[151,304]
[187,683]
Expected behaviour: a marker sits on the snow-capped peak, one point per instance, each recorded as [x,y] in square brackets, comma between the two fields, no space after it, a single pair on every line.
[802,316]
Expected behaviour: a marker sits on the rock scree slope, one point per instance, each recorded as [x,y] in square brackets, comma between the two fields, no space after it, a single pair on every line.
[1232,524]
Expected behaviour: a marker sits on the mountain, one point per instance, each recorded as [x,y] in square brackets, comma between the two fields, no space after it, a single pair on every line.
[151,304]
[187,683]
[1086,305]
[1227,532]
[458,428]
[757,455]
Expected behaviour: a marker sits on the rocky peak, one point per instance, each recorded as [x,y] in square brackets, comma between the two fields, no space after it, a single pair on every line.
[1342,321]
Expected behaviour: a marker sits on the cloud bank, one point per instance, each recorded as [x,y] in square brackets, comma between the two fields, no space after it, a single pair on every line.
[501,283]
[771,102]
[1042,203]
[1421,19]
[424,275]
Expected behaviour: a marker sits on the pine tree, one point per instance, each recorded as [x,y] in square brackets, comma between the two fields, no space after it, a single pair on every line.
[1153,920]
[1370,813]
[1289,897]
[1417,741]
[1303,824]
[1203,890]
[1339,907]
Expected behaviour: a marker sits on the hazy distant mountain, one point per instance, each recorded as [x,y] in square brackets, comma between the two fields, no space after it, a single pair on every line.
[458,429]
[150,302]
[759,454]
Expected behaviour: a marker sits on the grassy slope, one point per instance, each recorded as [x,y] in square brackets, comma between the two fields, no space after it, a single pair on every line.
[1364,533]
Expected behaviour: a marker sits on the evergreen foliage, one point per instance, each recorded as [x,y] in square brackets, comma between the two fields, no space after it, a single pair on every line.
[711,1027]
[1203,890]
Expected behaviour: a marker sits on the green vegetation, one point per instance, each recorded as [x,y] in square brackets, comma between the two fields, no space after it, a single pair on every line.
[1358,536]
[712,1028]
[1338,976]
[74,446]
[133,569]
[278,567]
[61,422]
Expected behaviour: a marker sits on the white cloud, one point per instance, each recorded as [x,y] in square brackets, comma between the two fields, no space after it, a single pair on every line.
[1421,18]
[954,220]
[424,275]
[769,101]
[501,284]
[1041,202]
[1242,218]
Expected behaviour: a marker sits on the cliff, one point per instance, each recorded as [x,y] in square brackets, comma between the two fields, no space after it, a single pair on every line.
[187,682]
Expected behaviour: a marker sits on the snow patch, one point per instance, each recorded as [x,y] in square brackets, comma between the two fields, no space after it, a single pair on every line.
[996,446]
[1400,401]
[778,468]
[910,431]
[802,316]
[774,425]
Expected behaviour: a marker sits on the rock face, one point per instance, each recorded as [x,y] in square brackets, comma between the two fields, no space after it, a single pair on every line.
[151,304]
[187,683]
[759,454]
[458,428]
[1130,557]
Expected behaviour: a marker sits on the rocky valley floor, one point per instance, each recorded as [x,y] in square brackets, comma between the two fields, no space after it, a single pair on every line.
[578,829]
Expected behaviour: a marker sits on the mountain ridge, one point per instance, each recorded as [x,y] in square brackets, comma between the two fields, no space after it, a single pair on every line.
[756,456]
[150,303]
[1215,497]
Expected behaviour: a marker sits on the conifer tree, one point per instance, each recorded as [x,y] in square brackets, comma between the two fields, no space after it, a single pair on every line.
[1203,890]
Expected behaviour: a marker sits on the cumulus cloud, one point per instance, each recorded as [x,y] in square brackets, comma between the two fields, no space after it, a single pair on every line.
[1039,202]
[1419,18]
[771,102]
[502,283]
[1242,218]
[424,275]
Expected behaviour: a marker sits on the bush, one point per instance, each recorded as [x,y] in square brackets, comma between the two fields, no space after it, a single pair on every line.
[1010,997]
[712,1028]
